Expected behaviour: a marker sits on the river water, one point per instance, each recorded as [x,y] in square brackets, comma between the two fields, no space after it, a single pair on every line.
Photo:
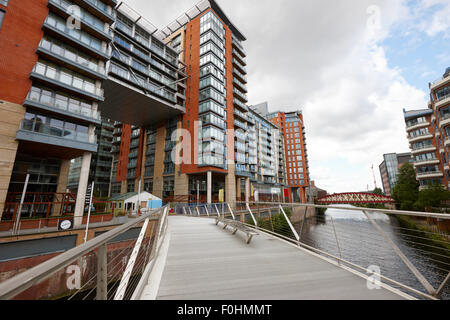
[360,243]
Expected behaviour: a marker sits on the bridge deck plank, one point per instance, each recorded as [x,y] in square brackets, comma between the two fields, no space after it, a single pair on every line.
[206,262]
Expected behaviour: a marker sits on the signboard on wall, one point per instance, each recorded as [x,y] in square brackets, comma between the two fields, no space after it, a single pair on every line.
[66,224]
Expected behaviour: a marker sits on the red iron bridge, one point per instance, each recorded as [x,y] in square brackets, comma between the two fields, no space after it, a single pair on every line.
[355,198]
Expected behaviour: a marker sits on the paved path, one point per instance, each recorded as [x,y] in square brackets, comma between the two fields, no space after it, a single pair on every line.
[205,262]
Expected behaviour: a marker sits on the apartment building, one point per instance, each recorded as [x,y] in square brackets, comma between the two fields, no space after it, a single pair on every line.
[424,143]
[101,162]
[429,135]
[389,169]
[70,65]
[51,79]
[297,166]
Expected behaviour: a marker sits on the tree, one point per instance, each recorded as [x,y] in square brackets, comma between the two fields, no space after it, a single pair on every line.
[406,190]
[378,191]
[432,196]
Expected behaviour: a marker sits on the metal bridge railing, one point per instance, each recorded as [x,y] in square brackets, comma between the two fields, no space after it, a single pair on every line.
[110,266]
[412,260]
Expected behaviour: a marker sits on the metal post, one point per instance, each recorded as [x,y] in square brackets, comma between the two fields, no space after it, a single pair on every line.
[290,224]
[207,211]
[408,263]
[89,212]
[198,192]
[253,217]
[337,242]
[303,222]
[231,211]
[102,273]
[218,213]
[16,224]
[198,212]
[138,207]
[441,287]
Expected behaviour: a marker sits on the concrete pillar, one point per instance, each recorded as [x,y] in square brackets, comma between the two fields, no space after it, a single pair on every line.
[62,185]
[158,174]
[238,189]
[247,190]
[230,186]
[10,116]
[82,186]
[209,187]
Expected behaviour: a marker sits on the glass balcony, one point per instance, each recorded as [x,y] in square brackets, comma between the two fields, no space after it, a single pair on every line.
[241,76]
[240,104]
[240,124]
[239,65]
[79,37]
[68,79]
[72,57]
[100,7]
[59,101]
[86,18]
[57,128]
[239,85]
[239,57]
[240,95]
[239,46]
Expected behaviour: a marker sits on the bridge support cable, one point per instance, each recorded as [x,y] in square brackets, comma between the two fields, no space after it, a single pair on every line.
[408,263]
[231,211]
[130,265]
[251,214]
[290,224]
[441,287]
[217,210]
[337,241]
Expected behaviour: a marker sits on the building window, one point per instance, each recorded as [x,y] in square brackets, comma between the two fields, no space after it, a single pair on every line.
[130,187]
[2,15]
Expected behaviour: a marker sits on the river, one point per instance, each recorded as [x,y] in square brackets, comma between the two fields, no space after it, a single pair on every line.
[360,243]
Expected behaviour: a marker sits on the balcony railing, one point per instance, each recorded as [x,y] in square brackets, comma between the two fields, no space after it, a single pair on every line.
[77,84]
[52,102]
[77,35]
[443,97]
[240,104]
[421,174]
[158,91]
[240,124]
[100,6]
[240,57]
[42,128]
[65,5]
[74,59]
[239,65]
[240,75]
[240,95]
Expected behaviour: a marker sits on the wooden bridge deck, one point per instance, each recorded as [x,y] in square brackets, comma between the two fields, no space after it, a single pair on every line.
[202,261]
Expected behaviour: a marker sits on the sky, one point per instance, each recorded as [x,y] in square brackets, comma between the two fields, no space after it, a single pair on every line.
[351,66]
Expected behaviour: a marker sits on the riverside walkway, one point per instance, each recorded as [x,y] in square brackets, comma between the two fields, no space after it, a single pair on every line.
[200,260]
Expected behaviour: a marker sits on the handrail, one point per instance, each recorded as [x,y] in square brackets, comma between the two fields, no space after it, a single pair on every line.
[15,285]
[293,237]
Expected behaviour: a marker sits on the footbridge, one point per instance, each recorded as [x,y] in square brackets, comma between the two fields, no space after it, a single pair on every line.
[258,251]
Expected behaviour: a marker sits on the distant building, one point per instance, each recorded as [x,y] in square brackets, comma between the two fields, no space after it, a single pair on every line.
[292,127]
[314,193]
[389,169]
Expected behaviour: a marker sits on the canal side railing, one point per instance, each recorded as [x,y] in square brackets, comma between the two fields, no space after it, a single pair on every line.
[100,269]
[422,252]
